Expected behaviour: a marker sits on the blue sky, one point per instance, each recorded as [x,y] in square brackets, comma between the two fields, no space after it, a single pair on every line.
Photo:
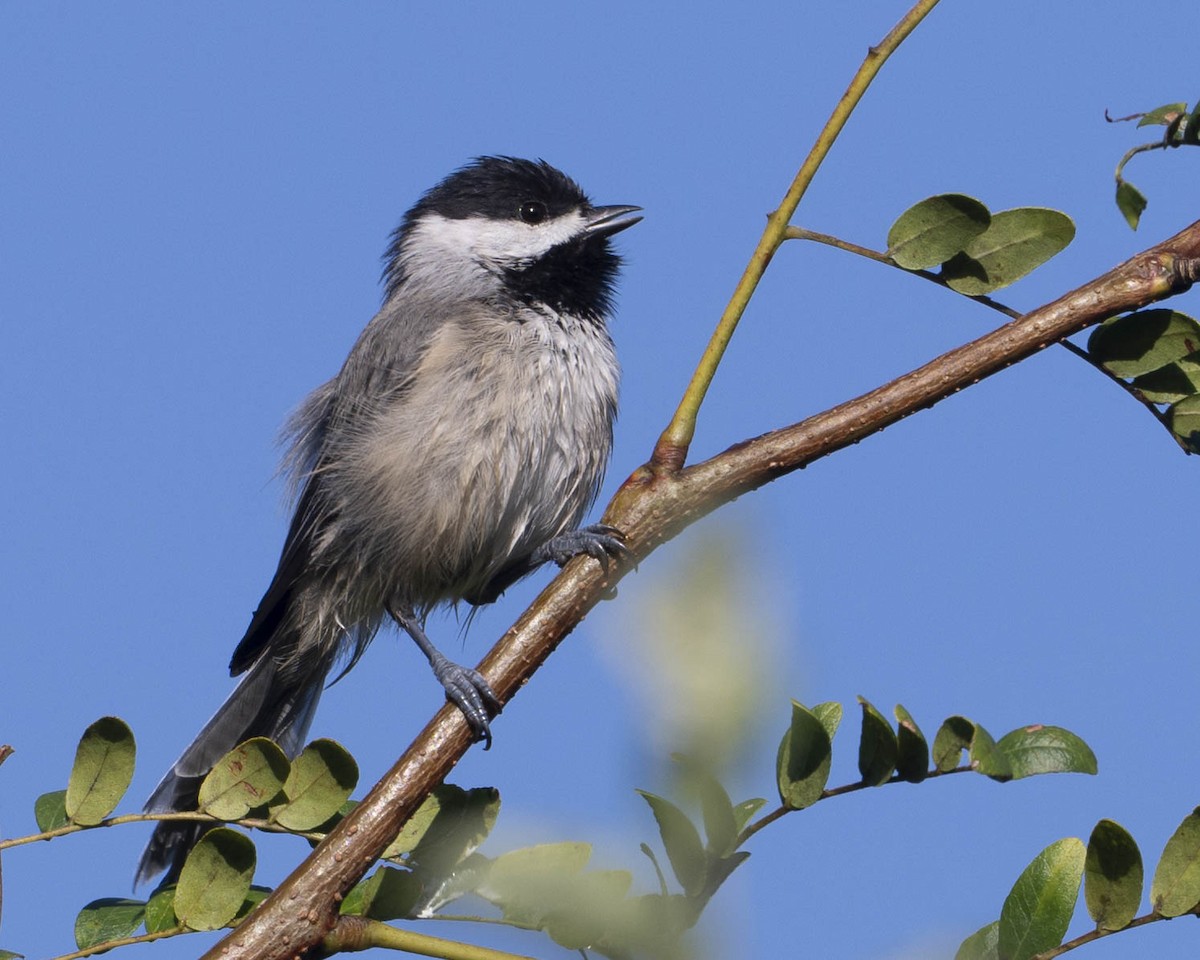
[193,202]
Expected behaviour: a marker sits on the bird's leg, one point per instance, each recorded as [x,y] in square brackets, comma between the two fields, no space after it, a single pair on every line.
[465,688]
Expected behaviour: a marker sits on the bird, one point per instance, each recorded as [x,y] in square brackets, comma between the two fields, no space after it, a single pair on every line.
[456,451]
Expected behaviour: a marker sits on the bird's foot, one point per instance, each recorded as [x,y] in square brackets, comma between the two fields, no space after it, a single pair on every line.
[599,541]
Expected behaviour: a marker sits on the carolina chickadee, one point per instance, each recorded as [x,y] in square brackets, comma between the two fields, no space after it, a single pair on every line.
[456,451]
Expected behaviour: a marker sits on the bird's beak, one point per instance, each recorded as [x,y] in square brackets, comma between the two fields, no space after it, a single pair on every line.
[605,221]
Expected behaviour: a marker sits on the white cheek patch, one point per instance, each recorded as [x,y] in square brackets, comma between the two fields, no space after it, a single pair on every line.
[498,242]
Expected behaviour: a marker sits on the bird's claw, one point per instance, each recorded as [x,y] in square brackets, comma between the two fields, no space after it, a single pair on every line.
[599,541]
[472,694]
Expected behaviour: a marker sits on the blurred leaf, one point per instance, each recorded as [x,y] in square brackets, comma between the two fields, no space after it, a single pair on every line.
[804,759]
[319,782]
[681,840]
[720,822]
[1041,749]
[1163,115]
[743,811]
[1016,242]
[160,910]
[9,955]
[1112,876]
[912,758]
[1137,343]
[50,810]
[102,771]
[529,883]
[248,776]
[934,230]
[1185,423]
[953,737]
[109,919]
[587,907]
[1130,202]
[987,758]
[983,944]
[215,879]
[877,749]
[1038,910]
[449,825]
[1175,889]
[387,894]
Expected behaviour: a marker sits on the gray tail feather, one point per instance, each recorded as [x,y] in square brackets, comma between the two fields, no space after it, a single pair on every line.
[266,703]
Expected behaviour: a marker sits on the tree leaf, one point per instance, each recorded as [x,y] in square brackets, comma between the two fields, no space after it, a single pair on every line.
[1166,114]
[1016,242]
[912,757]
[1131,202]
[1172,383]
[1175,889]
[877,750]
[983,944]
[50,810]
[1137,343]
[248,776]
[953,737]
[318,783]
[804,759]
[1112,876]
[934,230]
[743,811]
[1185,423]
[448,826]
[681,840]
[987,758]
[1040,749]
[102,771]
[1038,910]
[720,822]
[387,894]
[215,879]
[160,910]
[112,918]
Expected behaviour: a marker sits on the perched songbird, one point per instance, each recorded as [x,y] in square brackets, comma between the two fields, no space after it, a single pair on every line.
[457,450]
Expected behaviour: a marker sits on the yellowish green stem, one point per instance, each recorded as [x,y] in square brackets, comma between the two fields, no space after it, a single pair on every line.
[670,453]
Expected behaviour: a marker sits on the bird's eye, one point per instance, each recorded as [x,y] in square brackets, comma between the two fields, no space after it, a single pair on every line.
[532,211]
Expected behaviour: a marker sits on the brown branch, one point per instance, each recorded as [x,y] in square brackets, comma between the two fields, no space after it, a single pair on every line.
[651,507]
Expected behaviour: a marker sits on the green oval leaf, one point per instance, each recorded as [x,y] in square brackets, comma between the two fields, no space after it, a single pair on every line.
[215,879]
[804,759]
[1131,202]
[50,810]
[1185,423]
[160,910]
[1112,876]
[248,776]
[681,840]
[912,758]
[953,737]
[1038,910]
[877,750]
[102,771]
[319,782]
[1166,114]
[112,918]
[720,822]
[1040,749]
[1175,889]
[983,944]
[449,825]
[1016,242]
[1137,343]
[934,230]
[987,758]
[743,811]
[1172,383]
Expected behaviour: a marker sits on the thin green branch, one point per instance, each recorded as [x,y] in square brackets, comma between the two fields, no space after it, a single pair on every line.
[802,233]
[768,818]
[670,452]
[122,942]
[359,933]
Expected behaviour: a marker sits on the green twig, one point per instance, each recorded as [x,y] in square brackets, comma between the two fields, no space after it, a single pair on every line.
[670,452]
[360,933]
[782,809]
[122,942]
